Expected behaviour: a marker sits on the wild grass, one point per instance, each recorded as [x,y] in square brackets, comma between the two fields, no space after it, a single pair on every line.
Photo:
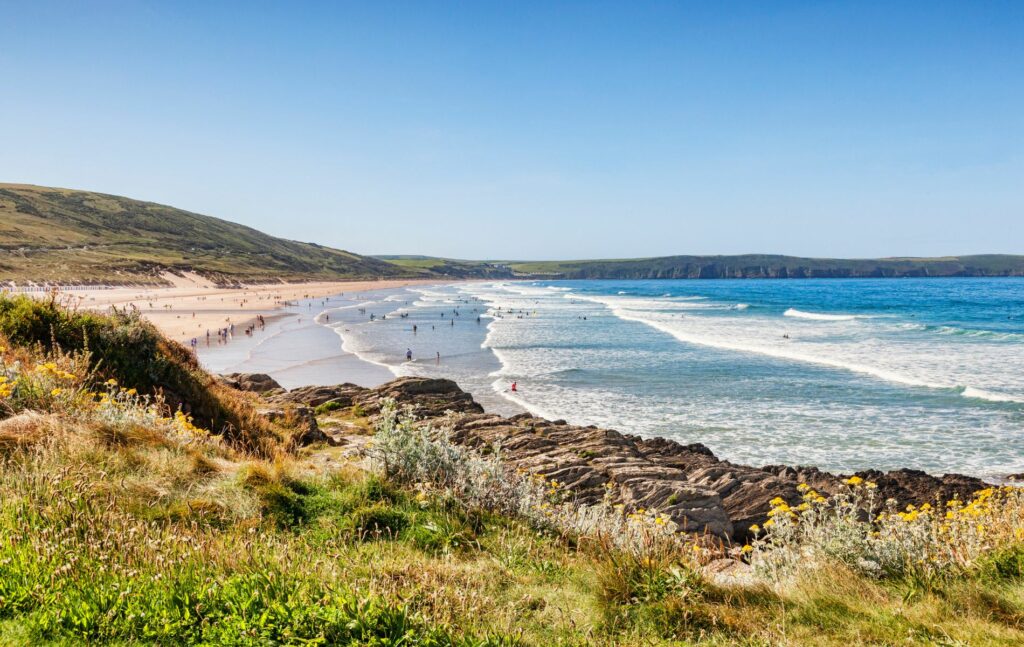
[125,522]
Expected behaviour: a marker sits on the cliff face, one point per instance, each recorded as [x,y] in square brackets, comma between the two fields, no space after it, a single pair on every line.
[756,266]
[700,492]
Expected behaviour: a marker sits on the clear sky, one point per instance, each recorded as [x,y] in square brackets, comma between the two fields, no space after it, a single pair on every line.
[536,130]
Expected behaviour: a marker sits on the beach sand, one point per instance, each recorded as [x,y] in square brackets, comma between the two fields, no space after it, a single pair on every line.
[194,305]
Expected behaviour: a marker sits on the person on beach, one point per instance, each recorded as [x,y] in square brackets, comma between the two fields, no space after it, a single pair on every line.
[438,357]
[414,329]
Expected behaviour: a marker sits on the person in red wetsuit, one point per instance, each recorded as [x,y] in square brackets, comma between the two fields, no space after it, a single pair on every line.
[513,387]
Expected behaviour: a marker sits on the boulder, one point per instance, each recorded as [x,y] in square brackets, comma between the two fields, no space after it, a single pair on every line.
[256,382]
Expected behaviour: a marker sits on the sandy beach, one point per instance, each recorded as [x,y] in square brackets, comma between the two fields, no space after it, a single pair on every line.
[194,305]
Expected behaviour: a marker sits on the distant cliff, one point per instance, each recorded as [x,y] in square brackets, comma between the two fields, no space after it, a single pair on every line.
[762,266]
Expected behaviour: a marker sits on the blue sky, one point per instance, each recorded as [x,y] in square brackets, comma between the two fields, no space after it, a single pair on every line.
[537,130]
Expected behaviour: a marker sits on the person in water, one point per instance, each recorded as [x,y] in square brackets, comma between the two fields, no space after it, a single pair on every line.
[513,387]
[408,354]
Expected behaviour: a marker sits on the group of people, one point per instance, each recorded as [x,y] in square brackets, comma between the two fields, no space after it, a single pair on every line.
[225,334]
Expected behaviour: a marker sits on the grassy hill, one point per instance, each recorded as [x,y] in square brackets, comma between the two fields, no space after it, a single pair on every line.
[451,267]
[69,236]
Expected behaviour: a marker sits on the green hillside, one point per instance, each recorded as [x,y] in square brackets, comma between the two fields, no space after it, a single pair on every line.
[69,236]
[450,267]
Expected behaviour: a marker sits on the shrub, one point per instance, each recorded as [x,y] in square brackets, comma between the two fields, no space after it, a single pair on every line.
[327,407]
[425,458]
[378,520]
[879,539]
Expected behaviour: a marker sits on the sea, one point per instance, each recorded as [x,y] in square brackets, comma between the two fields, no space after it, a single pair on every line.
[841,374]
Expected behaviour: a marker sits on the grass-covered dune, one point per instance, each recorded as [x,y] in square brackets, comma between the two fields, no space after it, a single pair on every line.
[72,237]
[124,519]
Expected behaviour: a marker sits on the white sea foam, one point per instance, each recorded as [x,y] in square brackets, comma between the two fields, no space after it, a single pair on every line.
[779,352]
[643,304]
[819,316]
[981,394]
[349,344]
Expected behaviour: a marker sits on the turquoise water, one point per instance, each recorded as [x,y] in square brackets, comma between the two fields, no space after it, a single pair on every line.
[843,374]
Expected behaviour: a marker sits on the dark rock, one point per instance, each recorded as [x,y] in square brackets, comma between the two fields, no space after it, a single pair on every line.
[256,382]
[311,432]
[917,487]
[314,396]
[429,398]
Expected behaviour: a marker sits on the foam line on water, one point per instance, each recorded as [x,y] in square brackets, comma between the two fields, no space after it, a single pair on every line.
[820,316]
[348,346]
[672,328]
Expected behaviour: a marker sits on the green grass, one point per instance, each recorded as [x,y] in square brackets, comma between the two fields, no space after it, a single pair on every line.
[76,237]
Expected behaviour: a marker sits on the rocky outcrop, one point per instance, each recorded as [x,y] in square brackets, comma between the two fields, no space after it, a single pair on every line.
[430,398]
[255,382]
[700,492]
[302,419]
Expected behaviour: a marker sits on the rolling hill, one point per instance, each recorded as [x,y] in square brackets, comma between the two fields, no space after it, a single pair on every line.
[80,237]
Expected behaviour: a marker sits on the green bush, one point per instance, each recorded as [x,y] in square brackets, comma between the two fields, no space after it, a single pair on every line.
[328,407]
[378,520]
[1004,564]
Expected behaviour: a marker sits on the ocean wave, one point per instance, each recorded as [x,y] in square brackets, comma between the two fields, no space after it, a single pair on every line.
[741,306]
[820,316]
[649,304]
[981,394]
[973,332]
[778,352]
